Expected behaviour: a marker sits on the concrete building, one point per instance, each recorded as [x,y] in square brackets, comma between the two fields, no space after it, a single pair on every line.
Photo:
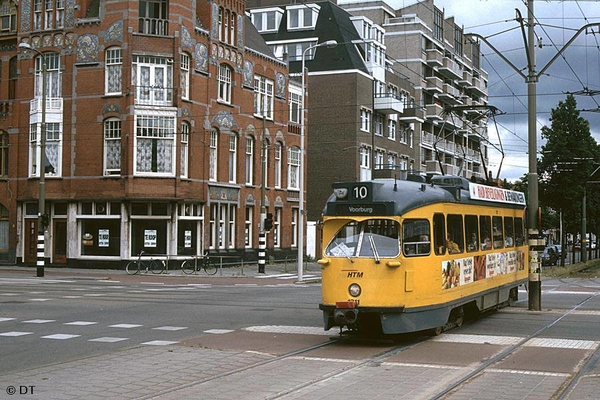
[361,111]
[450,86]
[159,115]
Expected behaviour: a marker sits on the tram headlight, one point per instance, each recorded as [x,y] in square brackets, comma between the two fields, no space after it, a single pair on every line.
[354,290]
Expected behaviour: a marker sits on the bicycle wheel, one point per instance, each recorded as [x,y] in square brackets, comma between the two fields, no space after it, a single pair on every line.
[209,267]
[188,267]
[156,266]
[132,268]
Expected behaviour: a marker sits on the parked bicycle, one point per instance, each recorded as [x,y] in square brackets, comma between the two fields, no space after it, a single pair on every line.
[145,264]
[196,263]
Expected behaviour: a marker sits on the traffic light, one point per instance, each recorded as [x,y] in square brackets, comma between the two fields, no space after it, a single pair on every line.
[268,225]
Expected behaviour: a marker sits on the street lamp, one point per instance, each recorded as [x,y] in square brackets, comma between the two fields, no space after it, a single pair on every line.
[42,217]
[330,44]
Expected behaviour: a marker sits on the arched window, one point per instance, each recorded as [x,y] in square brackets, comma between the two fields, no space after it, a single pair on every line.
[249,160]
[213,156]
[3,153]
[185,76]
[294,168]
[185,143]
[278,154]
[112,146]
[224,81]
[233,158]
[113,73]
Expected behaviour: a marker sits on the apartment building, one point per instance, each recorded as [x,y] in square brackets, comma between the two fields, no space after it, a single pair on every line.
[450,86]
[361,112]
[158,116]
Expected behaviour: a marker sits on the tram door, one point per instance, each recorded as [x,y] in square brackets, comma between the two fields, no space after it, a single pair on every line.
[30,251]
[59,252]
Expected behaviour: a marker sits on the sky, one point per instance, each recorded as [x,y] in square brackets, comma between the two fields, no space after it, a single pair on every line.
[576,69]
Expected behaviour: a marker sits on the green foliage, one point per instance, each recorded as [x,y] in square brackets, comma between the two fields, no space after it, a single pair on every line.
[568,159]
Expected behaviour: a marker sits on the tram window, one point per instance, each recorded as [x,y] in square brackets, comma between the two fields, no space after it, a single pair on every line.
[485,224]
[519,238]
[370,238]
[380,238]
[471,232]
[415,237]
[508,232]
[498,239]
[455,239]
[439,234]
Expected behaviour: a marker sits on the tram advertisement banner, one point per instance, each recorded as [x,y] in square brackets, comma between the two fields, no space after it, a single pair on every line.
[466,270]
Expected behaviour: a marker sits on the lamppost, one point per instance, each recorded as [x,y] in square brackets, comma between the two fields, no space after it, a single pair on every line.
[330,44]
[42,217]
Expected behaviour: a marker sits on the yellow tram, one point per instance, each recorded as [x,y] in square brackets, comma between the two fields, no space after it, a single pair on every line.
[402,256]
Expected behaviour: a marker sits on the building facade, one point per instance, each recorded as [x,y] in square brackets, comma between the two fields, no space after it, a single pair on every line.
[360,110]
[450,85]
[159,116]
[403,91]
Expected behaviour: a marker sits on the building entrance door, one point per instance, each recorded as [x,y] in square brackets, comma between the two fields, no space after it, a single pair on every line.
[59,254]
[30,251]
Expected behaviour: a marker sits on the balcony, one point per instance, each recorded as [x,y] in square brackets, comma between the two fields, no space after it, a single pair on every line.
[433,112]
[450,94]
[478,87]
[434,57]
[434,84]
[154,96]
[389,104]
[153,26]
[450,69]
[54,105]
[466,79]
[412,114]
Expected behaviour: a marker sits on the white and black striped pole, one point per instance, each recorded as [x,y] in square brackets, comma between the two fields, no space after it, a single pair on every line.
[262,237]
[42,217]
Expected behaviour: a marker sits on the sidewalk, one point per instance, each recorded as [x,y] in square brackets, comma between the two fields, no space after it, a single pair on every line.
[311,272]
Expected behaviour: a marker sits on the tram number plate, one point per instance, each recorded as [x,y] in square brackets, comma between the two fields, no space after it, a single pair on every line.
[361,192]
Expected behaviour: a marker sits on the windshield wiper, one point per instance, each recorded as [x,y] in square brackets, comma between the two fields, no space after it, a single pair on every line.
[374,248]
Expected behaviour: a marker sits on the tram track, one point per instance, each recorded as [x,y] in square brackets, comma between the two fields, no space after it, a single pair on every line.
[483,366]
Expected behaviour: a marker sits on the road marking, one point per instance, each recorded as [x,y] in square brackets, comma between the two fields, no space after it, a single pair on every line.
[39,299]
[478,339]
[301,330]
[14,334]
[170,328]
[563,343]
[9,294]
[6,319]
[159,343]
[39,321]
[108,339]
[81,323]
[219,331]
[60,336]
[125,326]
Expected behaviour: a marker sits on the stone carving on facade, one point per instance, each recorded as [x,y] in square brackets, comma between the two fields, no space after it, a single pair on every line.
[186,39]
[87,48]
[280,85]
[114,33]
[248,74]
[225,121]
[201,57]
[111,108]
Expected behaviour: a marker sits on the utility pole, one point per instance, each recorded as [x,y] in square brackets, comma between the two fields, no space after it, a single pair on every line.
[262,237]
[536,241]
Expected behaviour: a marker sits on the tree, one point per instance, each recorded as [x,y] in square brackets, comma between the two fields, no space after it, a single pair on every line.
[567,161]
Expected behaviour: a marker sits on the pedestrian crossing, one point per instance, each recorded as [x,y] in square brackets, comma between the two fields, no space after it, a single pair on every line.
[49,329]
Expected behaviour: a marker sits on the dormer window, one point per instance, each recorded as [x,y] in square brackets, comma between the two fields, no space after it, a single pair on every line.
[267,20]
[302,16]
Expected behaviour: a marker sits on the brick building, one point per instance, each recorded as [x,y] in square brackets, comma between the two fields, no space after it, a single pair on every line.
[157,114]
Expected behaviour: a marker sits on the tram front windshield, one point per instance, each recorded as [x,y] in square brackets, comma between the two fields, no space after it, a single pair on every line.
[372,238]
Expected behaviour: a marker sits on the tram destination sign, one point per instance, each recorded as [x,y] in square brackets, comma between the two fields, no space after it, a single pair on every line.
[496,194]
[359,209]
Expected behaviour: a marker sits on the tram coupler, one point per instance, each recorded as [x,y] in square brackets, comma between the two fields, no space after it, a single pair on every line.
[345,313]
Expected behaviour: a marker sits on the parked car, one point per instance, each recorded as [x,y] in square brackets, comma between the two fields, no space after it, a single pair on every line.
[549,256]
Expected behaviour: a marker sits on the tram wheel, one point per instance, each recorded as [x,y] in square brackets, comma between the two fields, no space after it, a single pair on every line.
[458,317]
